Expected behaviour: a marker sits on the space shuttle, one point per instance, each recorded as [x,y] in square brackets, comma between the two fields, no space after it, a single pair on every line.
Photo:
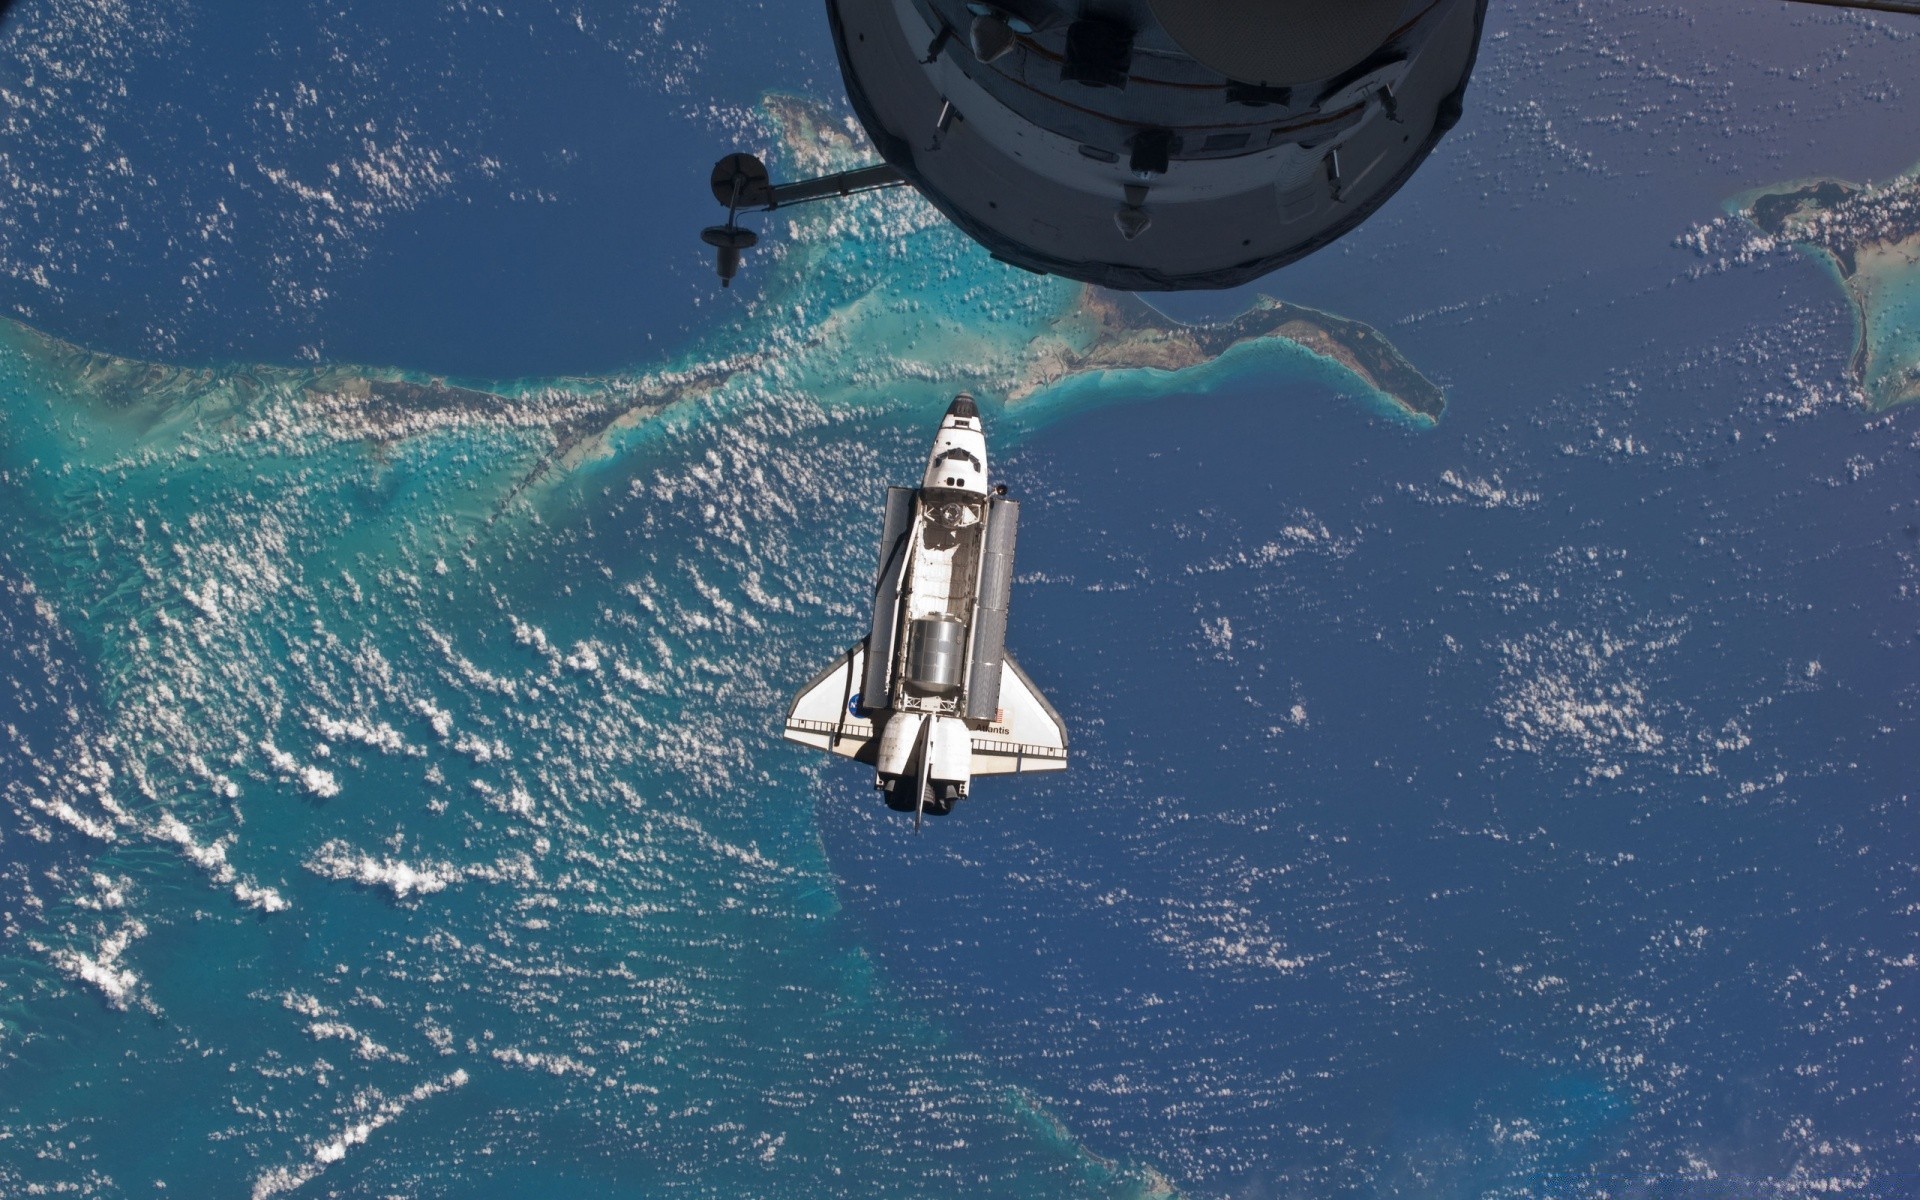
[930,698]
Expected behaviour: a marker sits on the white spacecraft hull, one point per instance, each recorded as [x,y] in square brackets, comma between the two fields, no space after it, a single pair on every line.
[930,698]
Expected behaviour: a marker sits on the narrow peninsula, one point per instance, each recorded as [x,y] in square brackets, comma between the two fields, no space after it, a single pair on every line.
[873,302]
[1113,331]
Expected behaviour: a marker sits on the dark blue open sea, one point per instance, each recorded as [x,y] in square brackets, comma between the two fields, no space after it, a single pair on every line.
[1518,806]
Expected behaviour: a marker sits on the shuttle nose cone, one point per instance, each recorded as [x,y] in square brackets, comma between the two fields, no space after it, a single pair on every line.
[963,406]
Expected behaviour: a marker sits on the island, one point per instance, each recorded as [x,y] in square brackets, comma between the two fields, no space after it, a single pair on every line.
[1076,329]
[1111,331]
[872,302]
[1869,235]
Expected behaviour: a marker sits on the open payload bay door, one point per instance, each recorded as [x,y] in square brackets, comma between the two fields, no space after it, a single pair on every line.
[1025,735]
[827,714]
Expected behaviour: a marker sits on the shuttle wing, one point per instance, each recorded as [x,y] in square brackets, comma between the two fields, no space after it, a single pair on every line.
[1026,734]
[827,713]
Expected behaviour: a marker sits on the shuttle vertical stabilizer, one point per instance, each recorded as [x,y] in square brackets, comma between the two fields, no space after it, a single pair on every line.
[930,698]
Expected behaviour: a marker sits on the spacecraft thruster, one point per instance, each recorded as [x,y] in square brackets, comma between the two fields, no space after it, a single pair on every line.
[930,697]
[1145,145]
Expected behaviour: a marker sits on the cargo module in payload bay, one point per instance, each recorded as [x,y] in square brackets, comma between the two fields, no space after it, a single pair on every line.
[930,698]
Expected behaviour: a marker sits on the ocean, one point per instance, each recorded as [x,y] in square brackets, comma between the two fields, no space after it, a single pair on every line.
[1518,806]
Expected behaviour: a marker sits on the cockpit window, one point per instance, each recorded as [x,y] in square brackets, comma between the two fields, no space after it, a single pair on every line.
[957,452]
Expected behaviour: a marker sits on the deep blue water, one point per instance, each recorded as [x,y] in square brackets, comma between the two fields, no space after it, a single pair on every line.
[47,692]
[1518,807]
[1587,852]
[492,191]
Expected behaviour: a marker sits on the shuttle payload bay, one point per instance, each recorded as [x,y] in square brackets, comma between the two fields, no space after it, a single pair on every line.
[930,697]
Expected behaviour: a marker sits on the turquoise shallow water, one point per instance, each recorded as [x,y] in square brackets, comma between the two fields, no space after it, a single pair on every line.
[419,826]
[1518,807]
[430,827]
[1893,332]
[1883,282]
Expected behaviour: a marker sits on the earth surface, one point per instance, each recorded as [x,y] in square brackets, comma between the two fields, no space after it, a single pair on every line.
[407,552]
